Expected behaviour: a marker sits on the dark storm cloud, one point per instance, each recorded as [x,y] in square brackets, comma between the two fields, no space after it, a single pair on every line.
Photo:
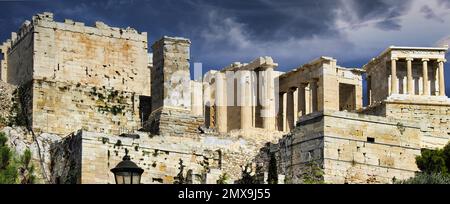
[430,14]
[386,12]
[263,19]
[249,22]
[445,3]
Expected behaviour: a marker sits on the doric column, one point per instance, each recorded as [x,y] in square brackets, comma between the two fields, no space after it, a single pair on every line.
[426,83]
[221,103]
[245,100]
[409,81]
[301,99]
[441,77]
[281,111]
[394,78]
[313,91]
[290,109]
[268,103]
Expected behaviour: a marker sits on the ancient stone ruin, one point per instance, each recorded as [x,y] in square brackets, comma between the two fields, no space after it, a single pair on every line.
[80,96]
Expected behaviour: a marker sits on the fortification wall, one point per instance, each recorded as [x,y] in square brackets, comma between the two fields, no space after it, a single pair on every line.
[64,107]
[95,56]
[206,157]
[433,117]
[20,59]
[350,148]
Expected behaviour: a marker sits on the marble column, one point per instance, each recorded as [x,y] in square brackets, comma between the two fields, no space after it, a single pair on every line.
[280,120]
[290,109]
[301,100]
[426,83]
[245,100]
[394,78]
[221,103]
[268,100]
[313,98]
[441,77]
[409,80]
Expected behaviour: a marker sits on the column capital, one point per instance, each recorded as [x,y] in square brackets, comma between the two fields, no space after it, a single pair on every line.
[425,60]
[442,60]
[394,58]
[409,59]
[303,85]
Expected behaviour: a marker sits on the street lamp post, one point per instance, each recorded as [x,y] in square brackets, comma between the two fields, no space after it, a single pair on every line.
[127,172]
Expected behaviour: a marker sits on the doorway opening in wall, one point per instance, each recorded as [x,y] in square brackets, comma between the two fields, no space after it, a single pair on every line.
[347,97]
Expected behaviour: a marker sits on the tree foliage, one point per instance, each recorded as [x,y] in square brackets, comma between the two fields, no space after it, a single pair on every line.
[434,167]
[434,161]
[14,169]
[313,173]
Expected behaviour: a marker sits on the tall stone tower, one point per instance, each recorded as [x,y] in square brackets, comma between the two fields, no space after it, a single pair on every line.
[171,89]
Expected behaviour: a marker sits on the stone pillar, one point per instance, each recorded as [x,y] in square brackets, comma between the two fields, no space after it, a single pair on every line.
[245,99]
[314,95]
[441,77]
[4,62]
[197,98]
[170,74]
[302,100]
[409,80]
[290,116]
[426,83]
[268,100]
[171,89]
[394,78]
[221,103]
[280,119]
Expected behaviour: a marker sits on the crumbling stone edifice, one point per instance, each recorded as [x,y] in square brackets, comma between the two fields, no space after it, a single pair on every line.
[100,90]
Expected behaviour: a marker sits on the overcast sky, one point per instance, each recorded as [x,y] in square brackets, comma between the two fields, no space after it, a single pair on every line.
[292,32]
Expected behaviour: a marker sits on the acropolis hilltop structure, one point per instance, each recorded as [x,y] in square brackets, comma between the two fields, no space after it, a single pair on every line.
[99,91]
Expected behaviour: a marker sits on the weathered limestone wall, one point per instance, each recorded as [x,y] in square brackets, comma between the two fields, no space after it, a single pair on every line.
[434,120]
[350,147]
[175,122]
[170,74]
[20,58]
[6,96]
[4,60]
[172,113]
[205,157]
[95,56]
[62,108]
[351,157]
[61,65]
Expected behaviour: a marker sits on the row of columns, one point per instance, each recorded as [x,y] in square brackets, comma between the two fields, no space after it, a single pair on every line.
[306,103]
[246,96]
[410,80]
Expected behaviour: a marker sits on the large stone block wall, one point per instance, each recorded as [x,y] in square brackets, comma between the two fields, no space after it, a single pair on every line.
[94,56]
[20,60]
[63,108]
[351,157]
[205,157]
[434,120]
[170,74]
[6,96]
[350,148]
[378,82]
